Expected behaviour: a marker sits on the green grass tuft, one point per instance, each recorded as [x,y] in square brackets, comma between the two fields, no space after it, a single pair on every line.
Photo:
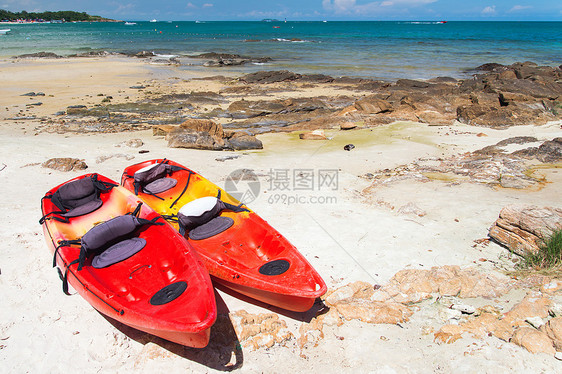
[549,256]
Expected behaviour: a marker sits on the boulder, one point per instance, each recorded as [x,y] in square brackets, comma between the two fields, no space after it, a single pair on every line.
[553,329]
[521,228]
[534,341]
[348,126]
[373,105]
[241,141]
[313,135]
[203,125]
[182,138]
[65,164]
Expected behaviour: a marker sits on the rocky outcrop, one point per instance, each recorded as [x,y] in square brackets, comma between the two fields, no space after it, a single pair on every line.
[206,134]
[415,285]
[522,228]
[241,140]
[265,77]
[534,341]
[260,330]
[228,59]
[65,164]
[39,55]
[354,302]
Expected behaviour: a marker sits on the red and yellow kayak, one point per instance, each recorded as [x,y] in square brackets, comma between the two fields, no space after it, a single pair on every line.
[250,257]
[162,289]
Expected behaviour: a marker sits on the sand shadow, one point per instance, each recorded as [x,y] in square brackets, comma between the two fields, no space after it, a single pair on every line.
[223,353]
[317,309]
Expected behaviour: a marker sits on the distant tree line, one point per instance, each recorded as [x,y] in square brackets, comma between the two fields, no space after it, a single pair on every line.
[66,15]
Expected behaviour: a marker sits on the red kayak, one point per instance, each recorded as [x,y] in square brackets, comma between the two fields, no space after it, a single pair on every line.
[126,261]
[240,250]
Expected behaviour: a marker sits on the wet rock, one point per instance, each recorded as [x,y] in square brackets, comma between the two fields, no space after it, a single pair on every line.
[265,77]
[33,94]
[144,54]
[314,135]
[534,341]
[65,164]
[39,55]
[491,66]
[521,227]
[410,83]
[139,87]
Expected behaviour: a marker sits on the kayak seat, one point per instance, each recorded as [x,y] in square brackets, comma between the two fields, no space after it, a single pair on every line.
[79,197]
[153,179]
[112,241]
[201,218]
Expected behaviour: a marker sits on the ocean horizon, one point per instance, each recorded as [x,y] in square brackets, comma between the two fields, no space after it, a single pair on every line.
[372,49]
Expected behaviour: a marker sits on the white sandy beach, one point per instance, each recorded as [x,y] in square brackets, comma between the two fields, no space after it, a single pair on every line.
[352,236]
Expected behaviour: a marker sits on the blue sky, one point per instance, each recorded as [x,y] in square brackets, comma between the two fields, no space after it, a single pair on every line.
[303,9]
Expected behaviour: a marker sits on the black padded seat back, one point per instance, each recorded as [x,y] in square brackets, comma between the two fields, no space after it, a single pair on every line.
[77,194]
[149,177]
[199,211]
[113,236]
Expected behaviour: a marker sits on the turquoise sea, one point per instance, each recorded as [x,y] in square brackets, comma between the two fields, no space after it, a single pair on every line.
[384,50]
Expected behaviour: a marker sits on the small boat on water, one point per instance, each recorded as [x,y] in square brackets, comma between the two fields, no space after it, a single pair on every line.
[5,31]
[153,20]
[130,23]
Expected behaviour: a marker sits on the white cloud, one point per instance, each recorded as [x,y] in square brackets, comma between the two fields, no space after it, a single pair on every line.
[517,8]
[208,5]
[489,10]
[351,6]
[191,6]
